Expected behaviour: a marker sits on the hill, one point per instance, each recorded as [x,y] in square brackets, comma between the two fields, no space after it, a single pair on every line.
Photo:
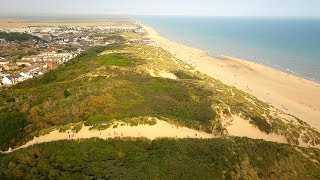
[111,83]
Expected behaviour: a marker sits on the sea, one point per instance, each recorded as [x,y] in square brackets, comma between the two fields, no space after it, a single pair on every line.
[291,45]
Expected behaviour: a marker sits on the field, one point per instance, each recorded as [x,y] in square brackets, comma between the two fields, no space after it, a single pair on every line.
[4,23]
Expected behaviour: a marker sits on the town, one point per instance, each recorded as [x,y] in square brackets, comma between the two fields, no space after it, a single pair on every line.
[28,52]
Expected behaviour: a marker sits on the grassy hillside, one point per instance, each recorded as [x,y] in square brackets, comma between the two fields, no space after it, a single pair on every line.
[222,158]
[115,82]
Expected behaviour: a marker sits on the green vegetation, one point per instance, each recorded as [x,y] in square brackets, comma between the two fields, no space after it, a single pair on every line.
[114,60]
[99,119]
[114,38]
[66,93]
[18,54]
[222,158]
[110,86]
[98,90]
[98,98]
[184,75]
[101,122]
[14,36]
[77,127]
[11,128]
[49,77]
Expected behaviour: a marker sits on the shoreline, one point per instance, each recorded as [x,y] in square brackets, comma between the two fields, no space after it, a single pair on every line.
[294,95]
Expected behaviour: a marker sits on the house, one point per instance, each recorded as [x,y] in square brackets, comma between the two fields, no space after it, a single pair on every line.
[19,78]
[10,66]
[3,61]
[3,75]
[7,80]
[26,74]
[52,64]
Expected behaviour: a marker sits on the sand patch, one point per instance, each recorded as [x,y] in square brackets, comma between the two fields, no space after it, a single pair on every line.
[242,128]
[152,73]
[163,74]
[168,75]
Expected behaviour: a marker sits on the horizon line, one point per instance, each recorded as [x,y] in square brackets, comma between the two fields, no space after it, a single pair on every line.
[54,15]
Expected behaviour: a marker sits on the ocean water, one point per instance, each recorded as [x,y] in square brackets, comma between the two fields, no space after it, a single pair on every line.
[290,45]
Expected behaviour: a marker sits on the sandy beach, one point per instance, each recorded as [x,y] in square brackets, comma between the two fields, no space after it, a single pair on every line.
[291,94]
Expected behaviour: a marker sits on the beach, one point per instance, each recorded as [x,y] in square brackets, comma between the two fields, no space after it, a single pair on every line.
[294,95]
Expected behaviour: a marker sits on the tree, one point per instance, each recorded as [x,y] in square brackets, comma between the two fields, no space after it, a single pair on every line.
[66,93]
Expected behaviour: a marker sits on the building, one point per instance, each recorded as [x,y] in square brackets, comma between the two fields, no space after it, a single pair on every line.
[7,80]
[26,74]
[10,66]
[3,61]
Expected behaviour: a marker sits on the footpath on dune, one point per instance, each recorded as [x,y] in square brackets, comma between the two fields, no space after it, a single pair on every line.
[161,129]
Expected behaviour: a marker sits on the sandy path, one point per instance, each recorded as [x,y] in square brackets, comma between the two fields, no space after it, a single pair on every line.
[238,127]
[291,94]
[161,130]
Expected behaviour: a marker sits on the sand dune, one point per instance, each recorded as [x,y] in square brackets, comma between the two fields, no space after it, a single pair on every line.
[291,94]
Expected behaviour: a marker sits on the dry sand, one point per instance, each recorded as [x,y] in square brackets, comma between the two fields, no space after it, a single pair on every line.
[242,128]
[291,94]
[160,130]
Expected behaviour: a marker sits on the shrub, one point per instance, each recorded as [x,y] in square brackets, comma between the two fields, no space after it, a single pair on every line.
[114,60]
[233,158]
[66,93]
[49,77]
[262,124]
[11,126]
[77,127]
[184,75]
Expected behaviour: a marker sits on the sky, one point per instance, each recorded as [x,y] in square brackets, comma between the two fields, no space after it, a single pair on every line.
[274,8]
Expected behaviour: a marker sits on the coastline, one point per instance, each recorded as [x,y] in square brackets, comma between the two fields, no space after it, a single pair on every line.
[294,95]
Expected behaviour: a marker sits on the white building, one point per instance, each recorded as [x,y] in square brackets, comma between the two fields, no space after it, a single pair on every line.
[3,61]
[26,74]
[7,80]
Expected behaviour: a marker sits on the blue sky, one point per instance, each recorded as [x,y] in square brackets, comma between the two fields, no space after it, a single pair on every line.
[296,8]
